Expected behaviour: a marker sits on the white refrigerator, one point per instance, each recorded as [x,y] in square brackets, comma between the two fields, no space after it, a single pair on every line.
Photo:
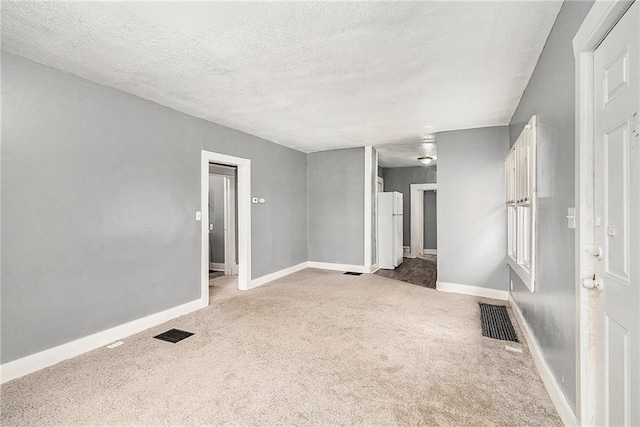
[389,230]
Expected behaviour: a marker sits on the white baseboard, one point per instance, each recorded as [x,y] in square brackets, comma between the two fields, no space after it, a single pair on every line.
[216,266]
[557,397]
[35,362]
[277,274]
[372,268]
[342,267]
[472,290]
[430,251]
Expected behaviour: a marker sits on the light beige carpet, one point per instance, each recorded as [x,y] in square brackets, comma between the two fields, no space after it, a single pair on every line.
[314,348]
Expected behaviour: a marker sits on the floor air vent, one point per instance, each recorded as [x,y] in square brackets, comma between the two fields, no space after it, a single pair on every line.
[173,335]
[351,273]
[496,323]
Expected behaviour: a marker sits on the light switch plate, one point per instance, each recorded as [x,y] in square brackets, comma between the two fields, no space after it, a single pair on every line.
[571,218]
[254,200]
[198,216]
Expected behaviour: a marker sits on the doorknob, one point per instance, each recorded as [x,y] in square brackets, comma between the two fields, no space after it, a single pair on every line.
[592,283]
[598,253]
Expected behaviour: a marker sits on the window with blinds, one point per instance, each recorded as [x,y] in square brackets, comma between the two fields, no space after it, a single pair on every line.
[521,203]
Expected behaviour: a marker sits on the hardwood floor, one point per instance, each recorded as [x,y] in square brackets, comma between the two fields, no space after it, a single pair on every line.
[215,274]
[417,271]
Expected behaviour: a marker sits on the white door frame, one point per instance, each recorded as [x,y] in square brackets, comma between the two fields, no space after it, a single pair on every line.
[230,266]
[417,217]
[380,180]
[375,209]
[368,205]
[244,218]
[602,17]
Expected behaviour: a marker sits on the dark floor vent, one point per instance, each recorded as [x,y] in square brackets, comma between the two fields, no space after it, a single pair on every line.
[352,273]
[496,323]
[173,335]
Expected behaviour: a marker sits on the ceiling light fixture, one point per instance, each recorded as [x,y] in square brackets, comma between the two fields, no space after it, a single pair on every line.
[425,160]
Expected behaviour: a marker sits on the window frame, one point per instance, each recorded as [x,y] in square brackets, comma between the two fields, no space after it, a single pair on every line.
[521,203]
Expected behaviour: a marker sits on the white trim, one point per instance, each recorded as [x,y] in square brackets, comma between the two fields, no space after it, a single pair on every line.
[430,251]
[343,267]
[376,261]
[602,16]
[527,137]
[368,204]
[557,396]
[216,266]
[520,272]
[34,362]
[244,219]
[406,252]
[472,290]
[379,179]
[277,275]
[417,216]
[230,226]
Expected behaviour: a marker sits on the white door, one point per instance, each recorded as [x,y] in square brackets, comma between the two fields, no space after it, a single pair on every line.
[617,225]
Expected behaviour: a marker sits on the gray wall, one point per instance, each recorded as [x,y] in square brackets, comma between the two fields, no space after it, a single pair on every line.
[472,231]
[216,218]
[430,228]
[551,309]
[400,180]
[336,206]
[119,180]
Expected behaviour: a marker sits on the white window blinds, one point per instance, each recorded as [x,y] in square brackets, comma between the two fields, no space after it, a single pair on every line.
[521,202]
[519,171]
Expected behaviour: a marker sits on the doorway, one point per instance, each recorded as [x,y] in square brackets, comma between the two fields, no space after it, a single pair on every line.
[243,215]
[430,222]
[424,229]
[222,220]
[607,54]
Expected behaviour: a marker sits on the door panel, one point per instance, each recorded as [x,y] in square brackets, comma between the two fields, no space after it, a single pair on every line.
[615,178]
[616,76]
[616,344]
[617,230]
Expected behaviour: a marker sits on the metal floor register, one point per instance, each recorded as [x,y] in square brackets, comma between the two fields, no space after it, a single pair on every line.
[496,323]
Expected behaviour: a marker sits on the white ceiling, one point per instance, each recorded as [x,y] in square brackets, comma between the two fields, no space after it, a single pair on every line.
[309,75]
[401,155]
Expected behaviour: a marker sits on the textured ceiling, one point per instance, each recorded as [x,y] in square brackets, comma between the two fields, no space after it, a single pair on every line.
[308,75]
[406,154]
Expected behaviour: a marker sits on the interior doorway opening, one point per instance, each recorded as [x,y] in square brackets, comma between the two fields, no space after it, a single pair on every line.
[223,233]
[243,219]
[430,222]
[424,222]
